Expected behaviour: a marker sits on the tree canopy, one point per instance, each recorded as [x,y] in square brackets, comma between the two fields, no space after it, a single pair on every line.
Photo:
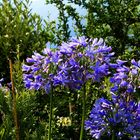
[117,21]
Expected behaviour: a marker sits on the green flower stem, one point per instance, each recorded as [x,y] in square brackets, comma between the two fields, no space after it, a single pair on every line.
[70,110]
[83,112]
[50,115]
[70,105]
[113,136]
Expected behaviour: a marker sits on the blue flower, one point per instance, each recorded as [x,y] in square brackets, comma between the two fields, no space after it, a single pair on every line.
[134,62]
[27,83]
[120,62]
[114,88]
[99,71]
[30,60]
[130,88]
[66,49]
[26,68]
[125,79]
[134,71]
[47,51]
[123,83]
[80,41]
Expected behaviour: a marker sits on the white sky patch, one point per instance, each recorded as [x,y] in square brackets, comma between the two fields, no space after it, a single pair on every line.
[39,7]
[35,0]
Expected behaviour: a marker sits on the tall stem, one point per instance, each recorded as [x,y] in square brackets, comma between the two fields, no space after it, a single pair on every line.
[70,106]
[83,111]
[14,101]
[113,136]
[70,110]
[50,115]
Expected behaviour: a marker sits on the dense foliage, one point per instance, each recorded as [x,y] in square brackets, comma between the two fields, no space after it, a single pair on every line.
[21,32]
[117,21]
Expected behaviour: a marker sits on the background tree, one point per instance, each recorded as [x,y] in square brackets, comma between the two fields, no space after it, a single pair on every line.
[117,21]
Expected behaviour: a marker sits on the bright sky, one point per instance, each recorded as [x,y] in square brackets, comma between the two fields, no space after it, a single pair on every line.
[44,10]
[39,7]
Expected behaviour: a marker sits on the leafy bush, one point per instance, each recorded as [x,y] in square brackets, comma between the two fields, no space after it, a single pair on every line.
[21,32]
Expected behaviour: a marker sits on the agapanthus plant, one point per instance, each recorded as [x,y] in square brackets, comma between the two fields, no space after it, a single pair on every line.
[71,66]
[83,59]
[39,74]
[118,118]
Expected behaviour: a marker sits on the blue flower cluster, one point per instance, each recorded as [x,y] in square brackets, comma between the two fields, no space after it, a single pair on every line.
[121,115]
[126,78]
[71,65]
[82,59]
[40,70]
[118,116]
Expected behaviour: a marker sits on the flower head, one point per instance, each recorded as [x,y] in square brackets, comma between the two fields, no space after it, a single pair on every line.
[126,78]
[71,65]
[83,59]
[118,115]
